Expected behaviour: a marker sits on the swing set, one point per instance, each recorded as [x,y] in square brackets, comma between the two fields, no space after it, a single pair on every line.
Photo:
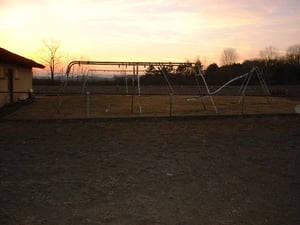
[255,71]
[135,68]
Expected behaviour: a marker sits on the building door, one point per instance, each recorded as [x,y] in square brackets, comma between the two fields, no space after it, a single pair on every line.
[10,85]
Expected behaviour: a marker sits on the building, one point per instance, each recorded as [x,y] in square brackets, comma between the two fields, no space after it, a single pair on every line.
[15,77]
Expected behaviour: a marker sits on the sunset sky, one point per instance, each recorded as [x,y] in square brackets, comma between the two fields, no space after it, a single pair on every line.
[152,30]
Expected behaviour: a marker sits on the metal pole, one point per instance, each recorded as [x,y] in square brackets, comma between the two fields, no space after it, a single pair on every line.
[138,80]
[207,90]
[200,93]
[139,89]
[243,94]
[164,72]
[126,83]
[132,94]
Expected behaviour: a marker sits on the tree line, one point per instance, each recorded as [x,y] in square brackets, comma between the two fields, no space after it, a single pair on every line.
[277,70]
[284,70]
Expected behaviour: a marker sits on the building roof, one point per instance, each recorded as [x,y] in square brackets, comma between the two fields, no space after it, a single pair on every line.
[12,58]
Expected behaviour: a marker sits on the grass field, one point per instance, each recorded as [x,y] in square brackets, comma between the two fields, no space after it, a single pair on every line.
[104,106]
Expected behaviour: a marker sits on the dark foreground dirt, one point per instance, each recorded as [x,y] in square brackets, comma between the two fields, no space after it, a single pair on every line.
[213,171]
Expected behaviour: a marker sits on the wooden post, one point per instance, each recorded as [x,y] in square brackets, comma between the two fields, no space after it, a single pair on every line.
[171,104]
[87,104]
[132,104]
[243,104]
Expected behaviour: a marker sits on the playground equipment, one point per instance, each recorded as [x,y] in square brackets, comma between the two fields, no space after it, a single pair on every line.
[135,68]
[91,72]
[242,91]
[124,73]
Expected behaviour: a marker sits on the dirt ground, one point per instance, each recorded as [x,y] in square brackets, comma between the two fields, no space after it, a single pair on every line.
[153,171]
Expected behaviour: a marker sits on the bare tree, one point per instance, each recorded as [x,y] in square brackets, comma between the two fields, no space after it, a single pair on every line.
[229,56]
[50,55]
[293,54]
[270,53]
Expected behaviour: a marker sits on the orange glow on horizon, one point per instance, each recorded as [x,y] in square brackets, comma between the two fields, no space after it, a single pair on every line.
[159,30]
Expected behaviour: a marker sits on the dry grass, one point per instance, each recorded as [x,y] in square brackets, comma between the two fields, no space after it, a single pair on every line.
[103,106]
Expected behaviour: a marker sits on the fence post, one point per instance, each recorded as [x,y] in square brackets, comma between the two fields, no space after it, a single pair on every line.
[243,105]
[171,104]
[87,104]
[132,104]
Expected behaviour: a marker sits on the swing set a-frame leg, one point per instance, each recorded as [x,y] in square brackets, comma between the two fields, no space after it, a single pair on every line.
[207,90]
[246,81]
[242,91]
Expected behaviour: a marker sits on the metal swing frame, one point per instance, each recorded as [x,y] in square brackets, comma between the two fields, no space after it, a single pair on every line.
[162,67]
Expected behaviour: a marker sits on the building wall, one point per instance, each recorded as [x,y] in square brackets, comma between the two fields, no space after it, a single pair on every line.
[22,82]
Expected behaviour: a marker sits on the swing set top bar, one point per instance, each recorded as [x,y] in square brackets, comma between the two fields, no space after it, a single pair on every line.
[111,63]
[107,70]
